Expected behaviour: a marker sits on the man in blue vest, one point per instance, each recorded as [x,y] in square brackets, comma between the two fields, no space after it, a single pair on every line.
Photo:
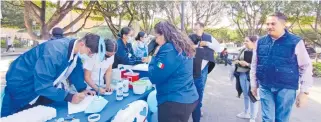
[279,64]
[203,62]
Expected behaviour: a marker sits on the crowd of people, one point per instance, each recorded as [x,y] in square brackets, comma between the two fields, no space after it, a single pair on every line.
[268,70]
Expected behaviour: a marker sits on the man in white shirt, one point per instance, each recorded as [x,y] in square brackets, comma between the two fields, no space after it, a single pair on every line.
[10,43]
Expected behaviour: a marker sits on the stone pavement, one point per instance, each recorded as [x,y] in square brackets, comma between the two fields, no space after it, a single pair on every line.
[222,105]
[18,51]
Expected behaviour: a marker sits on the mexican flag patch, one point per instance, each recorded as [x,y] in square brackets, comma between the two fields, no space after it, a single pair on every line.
[160,65]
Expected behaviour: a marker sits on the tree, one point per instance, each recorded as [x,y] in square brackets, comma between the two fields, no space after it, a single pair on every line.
[12,15]
[115,9]
[35,11]
[249,16]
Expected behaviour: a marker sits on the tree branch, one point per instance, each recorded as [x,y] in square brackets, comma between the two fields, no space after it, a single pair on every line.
[315,30]
[28,24]
[130,13]
[30,9]
[306,34]
[35,6]
[90,5]
[82,26]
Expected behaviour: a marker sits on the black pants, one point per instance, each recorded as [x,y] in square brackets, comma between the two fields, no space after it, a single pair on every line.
[9,46]
[175,112]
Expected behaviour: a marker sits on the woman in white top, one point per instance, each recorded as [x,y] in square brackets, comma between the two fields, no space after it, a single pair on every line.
[92,66]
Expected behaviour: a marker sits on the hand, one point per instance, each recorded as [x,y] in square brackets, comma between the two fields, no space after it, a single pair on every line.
[101,90]
[89,92]
[243,63]
[195,46]
[78,97]
[237,61]
[109,89]
[203,43]
[301,100]
[254,91]
[145,59]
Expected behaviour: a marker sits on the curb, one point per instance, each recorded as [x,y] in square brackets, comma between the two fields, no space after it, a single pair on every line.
[7,55]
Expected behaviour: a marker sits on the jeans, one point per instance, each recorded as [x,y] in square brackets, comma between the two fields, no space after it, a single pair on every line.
[227,61]
[200,85]
[276,103]
[249,106]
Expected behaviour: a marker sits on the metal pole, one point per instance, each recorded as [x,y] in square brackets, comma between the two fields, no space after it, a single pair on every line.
[182,15]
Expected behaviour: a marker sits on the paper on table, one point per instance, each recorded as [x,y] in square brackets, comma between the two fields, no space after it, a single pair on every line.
[75,108]
[141,67]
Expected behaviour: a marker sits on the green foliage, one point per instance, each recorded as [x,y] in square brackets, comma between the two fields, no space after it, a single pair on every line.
[12,15]
[3,43]
[225,34]
[317,69]
[103,31]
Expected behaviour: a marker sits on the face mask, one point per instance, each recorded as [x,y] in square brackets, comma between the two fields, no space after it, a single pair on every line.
[130,39]
[96,105]
[83,56]
[145,40]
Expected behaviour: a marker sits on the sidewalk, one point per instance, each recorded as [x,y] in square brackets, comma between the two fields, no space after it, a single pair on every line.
[18,51]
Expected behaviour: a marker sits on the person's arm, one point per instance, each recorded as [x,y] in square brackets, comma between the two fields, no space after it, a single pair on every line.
[305,67]
[214,45]
[108,74]
[163,64]
[45,74]
[124,58]
[253,81]
[108,77]
[77,77]
[89,66]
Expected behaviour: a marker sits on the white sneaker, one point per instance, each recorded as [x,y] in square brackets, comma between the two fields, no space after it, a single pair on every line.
[252,120]
[243,115]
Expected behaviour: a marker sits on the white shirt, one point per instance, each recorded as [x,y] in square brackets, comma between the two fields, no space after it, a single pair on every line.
[214,46]
[10,41]
[93,64]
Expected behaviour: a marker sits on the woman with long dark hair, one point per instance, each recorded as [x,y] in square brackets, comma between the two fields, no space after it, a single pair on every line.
[171,71]
[243,82]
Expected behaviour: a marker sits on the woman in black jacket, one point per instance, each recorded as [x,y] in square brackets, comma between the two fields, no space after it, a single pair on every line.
[242,76]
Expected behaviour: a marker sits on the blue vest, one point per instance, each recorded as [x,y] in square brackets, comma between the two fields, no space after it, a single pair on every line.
[204,53]
[277,64]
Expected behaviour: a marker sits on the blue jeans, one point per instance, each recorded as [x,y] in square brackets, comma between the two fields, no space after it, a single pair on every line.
[227,61]
[249,106]
[276,103]
[200,85]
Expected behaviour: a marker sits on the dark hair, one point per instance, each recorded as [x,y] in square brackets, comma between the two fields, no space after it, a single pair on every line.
[111,46]
[124,31]
[200,24]
[279,15]
[57,31]
[181,41]
[92,42]
[252,38]
[140,34]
